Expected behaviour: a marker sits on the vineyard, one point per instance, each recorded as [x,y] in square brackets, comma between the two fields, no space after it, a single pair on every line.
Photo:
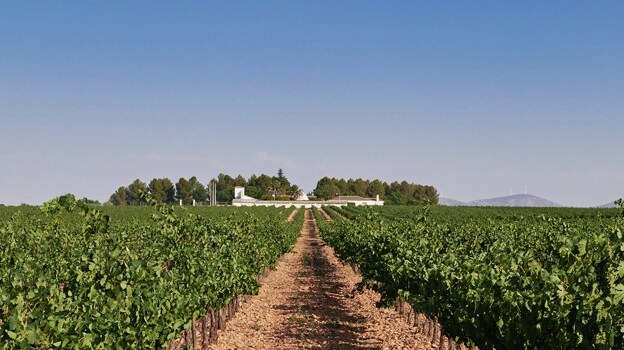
[150,277]
[492,277]
[120,278]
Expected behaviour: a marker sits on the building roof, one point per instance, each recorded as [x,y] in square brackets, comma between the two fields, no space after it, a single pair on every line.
[244,200]
[351,198]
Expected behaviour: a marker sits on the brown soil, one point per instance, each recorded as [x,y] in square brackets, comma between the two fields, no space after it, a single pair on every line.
[324,214]
[310,302]
[292,215]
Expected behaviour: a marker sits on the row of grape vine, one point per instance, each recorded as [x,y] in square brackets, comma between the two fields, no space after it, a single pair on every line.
[538,282]
[75,278]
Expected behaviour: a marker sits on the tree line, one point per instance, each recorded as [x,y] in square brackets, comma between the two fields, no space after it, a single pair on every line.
[267,187]
[398,193]
[163,190]
[258,186]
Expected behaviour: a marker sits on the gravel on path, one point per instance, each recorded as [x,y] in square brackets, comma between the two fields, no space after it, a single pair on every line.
[324,214]
[310,301]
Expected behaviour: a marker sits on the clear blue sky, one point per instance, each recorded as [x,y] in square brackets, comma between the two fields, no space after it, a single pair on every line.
[475,98]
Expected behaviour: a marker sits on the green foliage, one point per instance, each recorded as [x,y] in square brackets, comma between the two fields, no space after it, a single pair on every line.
[162,190]
[326,188]
[120,197]
[225,188]
[127,278]
[497,278]
[398,193]
[260,187]
[335,212]
[135,192]
[184,191]
[294,192]
[198,191]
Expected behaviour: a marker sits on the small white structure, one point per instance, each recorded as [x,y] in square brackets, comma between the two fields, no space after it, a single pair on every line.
[303,197]
[358,200]
[239,193]
[241,200]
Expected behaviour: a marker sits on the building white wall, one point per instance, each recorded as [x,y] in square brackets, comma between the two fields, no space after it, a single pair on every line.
[282,204]
[241,200]
[288,204]
[239,193]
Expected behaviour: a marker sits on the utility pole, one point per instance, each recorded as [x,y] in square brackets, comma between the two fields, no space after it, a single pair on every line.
[212,193]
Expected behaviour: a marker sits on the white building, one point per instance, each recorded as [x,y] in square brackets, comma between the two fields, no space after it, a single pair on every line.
[239,193]
[303,197]
[358,200]
[241,200]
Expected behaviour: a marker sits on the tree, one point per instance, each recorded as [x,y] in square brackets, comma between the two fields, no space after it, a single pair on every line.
[240,181]
[280,175]
[261,187]
[343,187]
[135,192]
[376,187]
[358,187]
[120,197]
[198,191]
[274,189]
[282,181]
[294,192]
[225,188]
[399,193]
[157,191]
[169,190]
[431,194]
[253,188]
[162,190]
[264,182]
[258,186]
[184,191]
[326,188]
[394,193]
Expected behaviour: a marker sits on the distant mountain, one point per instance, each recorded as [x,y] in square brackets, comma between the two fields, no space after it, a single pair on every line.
[517,200]
[451,202]
[608,205]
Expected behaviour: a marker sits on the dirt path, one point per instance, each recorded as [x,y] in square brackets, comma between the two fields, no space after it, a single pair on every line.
[292,215]
[309,302]
[324,214]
